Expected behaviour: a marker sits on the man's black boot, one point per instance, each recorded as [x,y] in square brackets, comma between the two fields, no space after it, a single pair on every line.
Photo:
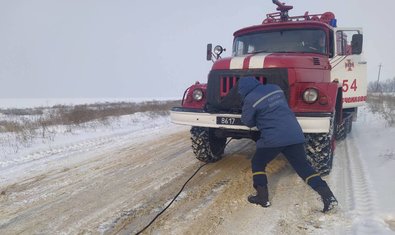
[327,197]
[262,197]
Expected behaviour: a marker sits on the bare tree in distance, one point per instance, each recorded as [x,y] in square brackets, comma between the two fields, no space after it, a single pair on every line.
[386,86]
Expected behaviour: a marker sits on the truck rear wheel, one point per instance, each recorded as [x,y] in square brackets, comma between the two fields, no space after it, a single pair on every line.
[205,145]
[349,125]
[319,150]
[342,129]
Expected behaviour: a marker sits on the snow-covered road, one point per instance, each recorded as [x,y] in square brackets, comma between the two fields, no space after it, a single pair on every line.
[116,183]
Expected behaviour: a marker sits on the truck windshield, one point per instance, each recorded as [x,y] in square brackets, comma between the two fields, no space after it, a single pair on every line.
[281,41]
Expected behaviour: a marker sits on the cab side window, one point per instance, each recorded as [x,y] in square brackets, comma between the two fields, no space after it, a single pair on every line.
[343,41]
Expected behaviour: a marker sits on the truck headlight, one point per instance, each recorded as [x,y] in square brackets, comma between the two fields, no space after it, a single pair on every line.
[197,94]
[310,95]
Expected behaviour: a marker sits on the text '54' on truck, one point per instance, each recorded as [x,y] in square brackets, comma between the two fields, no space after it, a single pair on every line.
[319,66]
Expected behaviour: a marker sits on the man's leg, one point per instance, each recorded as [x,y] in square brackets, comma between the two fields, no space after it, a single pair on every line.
[259,161]
[296,156]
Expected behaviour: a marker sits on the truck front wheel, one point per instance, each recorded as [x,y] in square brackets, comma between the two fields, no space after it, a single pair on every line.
[319,150]
[205,145]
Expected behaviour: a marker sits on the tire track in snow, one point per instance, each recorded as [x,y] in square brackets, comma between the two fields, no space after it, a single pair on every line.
[89,193]
[31,162]
[192,204]
[359,200]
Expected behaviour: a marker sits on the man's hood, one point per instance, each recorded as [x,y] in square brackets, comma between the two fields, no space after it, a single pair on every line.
[246,85]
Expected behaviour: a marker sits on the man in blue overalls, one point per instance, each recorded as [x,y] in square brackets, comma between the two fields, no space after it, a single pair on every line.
[265,107]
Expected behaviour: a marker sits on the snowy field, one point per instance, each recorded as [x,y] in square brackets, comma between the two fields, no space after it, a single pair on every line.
[367,204]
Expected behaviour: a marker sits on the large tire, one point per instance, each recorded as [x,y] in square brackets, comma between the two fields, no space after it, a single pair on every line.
[344,128]
[348,125]
[205,145]
[319,150]
[341,130]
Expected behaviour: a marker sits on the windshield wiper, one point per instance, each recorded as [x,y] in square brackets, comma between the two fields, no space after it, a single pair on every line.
[260,51]
[287,51]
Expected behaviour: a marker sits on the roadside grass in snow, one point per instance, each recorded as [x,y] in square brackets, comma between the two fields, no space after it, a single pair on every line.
[384,105]
[20,127]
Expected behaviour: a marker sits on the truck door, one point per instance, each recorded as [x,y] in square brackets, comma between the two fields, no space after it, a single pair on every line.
[349,66]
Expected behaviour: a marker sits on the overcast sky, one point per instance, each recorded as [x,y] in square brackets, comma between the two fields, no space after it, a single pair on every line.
[146,48]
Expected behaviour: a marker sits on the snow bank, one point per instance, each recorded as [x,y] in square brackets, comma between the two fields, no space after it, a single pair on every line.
[90,137]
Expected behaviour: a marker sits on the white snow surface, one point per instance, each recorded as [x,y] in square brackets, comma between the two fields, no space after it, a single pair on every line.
[76,143]
[374,147]
[371,157]
[370,147]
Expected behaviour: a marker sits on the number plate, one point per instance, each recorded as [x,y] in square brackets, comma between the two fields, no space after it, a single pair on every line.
[229,121]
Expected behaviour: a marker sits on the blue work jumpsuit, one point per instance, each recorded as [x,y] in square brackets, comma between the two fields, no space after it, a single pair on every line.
[265,107]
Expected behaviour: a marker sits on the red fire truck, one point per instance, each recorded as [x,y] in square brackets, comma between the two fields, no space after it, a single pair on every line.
[319,66]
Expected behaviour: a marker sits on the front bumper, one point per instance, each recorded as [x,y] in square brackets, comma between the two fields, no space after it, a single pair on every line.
[310,122]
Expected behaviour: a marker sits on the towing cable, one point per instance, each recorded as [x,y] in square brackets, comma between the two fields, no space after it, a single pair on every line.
[176,196]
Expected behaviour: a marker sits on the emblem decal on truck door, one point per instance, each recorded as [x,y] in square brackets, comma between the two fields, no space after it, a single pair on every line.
[349,65]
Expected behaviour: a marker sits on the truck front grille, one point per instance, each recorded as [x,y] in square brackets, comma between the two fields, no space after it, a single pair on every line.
[228,82]
[222,93]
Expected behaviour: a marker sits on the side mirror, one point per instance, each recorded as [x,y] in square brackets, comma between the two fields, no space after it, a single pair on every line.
[216,52]
[356,44]
[209,55]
